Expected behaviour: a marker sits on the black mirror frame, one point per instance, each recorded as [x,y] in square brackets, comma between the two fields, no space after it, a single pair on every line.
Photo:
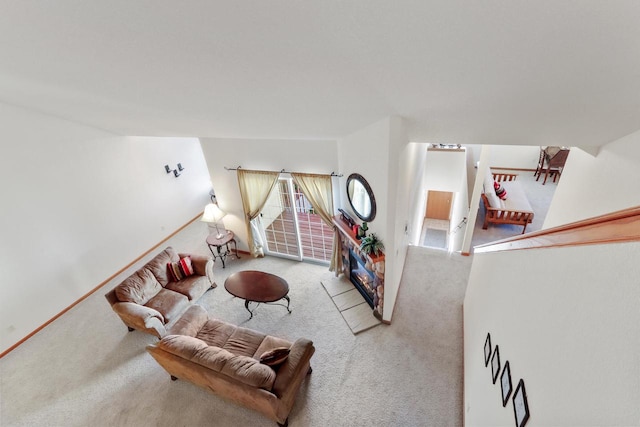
[367,187]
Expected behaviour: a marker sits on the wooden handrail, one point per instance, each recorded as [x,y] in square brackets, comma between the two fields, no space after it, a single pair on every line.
[615,227]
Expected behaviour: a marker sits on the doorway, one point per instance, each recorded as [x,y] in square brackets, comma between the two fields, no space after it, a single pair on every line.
[437,219]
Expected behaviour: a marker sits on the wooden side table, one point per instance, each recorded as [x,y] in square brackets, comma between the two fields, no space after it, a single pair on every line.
[214,242]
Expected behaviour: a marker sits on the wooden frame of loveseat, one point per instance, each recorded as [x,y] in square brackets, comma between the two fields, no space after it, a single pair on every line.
[504,216]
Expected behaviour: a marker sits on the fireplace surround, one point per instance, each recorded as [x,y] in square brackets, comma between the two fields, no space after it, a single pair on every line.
[365,271]
[362,278]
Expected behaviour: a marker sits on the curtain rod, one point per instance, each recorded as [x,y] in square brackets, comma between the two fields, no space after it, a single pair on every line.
[282,171]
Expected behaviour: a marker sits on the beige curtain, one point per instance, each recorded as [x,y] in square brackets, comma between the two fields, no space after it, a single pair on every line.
[318,190]
[255,187]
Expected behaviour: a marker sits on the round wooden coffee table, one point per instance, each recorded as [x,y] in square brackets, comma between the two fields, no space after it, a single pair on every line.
[258,287]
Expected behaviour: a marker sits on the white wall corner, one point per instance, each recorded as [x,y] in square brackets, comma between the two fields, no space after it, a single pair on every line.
[593,150]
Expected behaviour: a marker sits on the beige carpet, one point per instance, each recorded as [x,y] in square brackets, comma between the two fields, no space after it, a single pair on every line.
[355,311]
[85,369]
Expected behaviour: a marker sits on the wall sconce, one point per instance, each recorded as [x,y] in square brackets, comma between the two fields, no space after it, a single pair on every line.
[175,171]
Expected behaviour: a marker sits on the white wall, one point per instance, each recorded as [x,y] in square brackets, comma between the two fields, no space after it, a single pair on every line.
[78,204]
[367,152]
[261,154]
[459,211]
[567,320]
[514,156]
[446,170]
[381,153]
[592,186]
[509,156]
[408,166]
[417,190]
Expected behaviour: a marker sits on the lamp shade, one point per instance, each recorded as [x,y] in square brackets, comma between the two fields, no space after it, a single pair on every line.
[212,213]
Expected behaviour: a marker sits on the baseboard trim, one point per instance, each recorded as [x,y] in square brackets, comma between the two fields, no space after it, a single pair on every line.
[85,296]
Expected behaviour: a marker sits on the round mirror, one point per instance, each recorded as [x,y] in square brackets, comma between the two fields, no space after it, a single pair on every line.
[361,197]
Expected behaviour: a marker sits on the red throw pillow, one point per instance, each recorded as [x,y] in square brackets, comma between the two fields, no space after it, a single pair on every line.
[500,191]
[181,269]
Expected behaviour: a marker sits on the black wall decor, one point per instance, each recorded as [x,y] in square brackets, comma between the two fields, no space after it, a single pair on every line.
[487,350]
[520,405]
[495,364]
[505,383]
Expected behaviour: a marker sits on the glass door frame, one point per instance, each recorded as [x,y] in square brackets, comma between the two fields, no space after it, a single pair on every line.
[296,228]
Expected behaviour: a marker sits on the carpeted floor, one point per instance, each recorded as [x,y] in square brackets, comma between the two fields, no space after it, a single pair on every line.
[435,238]
[85,369]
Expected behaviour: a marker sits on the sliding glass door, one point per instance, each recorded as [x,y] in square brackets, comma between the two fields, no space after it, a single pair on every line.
[291,228]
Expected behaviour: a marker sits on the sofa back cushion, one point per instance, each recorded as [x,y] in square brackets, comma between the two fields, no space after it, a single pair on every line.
[138,288]
[158,265]
[241,368]
[190,322]
[490,191]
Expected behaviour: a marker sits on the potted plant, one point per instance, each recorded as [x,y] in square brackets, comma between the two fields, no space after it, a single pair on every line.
[371,244]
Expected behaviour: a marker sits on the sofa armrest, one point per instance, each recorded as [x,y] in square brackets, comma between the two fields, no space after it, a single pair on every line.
[202,266]
[140,317]
[293,370]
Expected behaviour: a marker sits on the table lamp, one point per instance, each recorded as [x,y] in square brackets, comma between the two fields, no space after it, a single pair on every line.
[213,214]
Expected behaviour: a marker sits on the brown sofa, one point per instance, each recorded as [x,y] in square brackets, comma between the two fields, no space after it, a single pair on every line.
[516,209]
[224,359]
[150,301]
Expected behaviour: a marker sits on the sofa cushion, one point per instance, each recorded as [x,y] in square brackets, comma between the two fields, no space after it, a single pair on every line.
[216,332]
[158,265]
[489,190]
[169,303]
[244,342]
[138,288]
[192,287]
[241,368]
[237,340]
[517,200]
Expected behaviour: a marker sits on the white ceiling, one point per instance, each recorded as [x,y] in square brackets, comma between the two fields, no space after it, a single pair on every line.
[544,72]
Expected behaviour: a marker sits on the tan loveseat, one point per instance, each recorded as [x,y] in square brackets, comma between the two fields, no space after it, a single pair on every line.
[224,359]
[516,209]
[150,301]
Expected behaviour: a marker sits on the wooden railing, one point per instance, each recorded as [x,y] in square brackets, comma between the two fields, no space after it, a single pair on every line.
[615,227]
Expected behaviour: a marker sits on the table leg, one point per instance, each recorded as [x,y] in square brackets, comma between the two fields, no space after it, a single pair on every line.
[235,245]
[219,255]
[246,305]
[223,257]
[288,302]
